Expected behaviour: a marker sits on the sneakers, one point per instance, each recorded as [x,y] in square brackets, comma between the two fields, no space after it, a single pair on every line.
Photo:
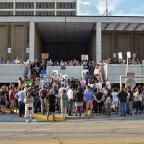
[27,120]
[33,120]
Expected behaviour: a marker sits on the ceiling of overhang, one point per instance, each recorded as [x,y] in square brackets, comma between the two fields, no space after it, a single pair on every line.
[123,26]
[56,31]
[65,31]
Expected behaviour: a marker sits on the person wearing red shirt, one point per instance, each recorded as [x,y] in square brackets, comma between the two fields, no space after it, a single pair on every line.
[11,99]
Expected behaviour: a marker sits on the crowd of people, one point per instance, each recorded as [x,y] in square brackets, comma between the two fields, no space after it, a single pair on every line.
[37,93]
[76,62]
[69,97]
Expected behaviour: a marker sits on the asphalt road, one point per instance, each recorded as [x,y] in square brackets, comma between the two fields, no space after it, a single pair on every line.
[85,131]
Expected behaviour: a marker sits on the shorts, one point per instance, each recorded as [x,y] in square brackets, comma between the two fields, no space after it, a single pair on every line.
[12,102]
[51,108]
[78,104]
[89,105]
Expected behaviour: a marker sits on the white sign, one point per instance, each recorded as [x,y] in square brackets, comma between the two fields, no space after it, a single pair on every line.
[84,57]
[134,55]
[128,54]
[64,76]
[9,50]
[120,55]
[55,73]
[85,72]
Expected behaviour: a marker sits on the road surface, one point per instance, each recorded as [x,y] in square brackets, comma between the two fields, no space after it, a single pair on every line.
[85,131]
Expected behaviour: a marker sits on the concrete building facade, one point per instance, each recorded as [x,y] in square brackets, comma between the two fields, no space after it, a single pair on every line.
[69,37]
[38,7]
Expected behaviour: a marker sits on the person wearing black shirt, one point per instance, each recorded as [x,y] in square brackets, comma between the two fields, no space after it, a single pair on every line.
[51,100]
[123,96]
[99,101]
[78,101]
[130,101]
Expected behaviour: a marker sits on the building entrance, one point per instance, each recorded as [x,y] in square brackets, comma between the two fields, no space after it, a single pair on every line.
[65,41]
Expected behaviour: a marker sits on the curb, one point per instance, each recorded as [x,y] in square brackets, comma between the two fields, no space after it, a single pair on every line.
[44,117]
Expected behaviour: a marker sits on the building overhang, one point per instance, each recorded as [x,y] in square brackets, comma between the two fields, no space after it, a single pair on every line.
[77,28]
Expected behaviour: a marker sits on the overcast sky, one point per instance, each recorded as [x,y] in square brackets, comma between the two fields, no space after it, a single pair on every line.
[116,7]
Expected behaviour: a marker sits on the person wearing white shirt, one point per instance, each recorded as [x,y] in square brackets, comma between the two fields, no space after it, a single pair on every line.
[108,84]
[115,100]
[70,95]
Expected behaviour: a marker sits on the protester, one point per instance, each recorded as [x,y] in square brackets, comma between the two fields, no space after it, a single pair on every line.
[64,102]
[29,100]
[78,101]
[123,97]
[20,95]
[11,98]
[3,99]
[51,101]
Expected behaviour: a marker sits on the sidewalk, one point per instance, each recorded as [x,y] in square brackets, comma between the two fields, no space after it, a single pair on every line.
[40,117]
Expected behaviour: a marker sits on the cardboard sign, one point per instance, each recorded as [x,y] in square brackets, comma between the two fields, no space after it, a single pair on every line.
[130,75]
[45,55]
[96,71]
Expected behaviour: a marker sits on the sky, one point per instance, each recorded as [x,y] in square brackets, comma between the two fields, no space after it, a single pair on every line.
[116,7]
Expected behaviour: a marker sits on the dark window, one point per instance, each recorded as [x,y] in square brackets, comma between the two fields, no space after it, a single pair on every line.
[24,13]
[45,13]
[24,5]
[6,13]
[45,5]
[6,5]
[66,5]
[66,13]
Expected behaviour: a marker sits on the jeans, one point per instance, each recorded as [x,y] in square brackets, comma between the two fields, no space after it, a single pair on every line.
[21,108]
[70,105]
[123,108]
[138,105]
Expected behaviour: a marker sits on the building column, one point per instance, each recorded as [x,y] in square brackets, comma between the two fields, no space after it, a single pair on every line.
[55,9]
[98,42]
[31,41]
[14,5]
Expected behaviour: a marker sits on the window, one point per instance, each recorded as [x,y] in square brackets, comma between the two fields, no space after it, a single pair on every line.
[45,5]
[6,13]
[24,13]
[66,13]
[24,5]
[66,5]
[6,5]
[45,13]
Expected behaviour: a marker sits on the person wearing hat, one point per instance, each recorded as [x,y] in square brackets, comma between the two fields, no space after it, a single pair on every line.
[29,100]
